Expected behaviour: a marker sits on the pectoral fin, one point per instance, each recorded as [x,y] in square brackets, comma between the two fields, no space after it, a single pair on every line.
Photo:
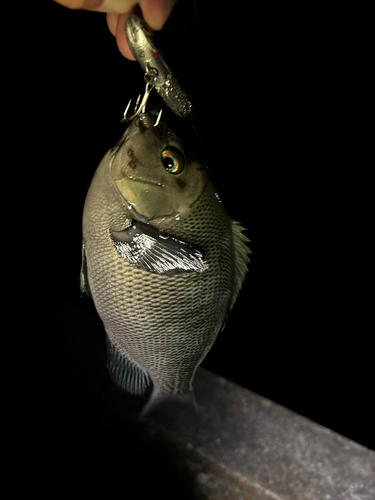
[83,279]
[144,247]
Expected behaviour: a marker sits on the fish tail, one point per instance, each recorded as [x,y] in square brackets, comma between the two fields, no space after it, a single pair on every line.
[162,401]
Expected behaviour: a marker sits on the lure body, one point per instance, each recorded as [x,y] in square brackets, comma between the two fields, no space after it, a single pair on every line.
[142,45]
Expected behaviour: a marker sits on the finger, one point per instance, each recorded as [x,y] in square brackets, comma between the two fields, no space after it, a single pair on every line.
[121,39]
[156,12]
[117,6]
[151,13]
[112,22]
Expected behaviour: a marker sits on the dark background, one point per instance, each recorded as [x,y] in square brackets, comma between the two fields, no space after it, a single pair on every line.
[263,82]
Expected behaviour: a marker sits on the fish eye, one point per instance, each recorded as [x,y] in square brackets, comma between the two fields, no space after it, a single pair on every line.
[173,160]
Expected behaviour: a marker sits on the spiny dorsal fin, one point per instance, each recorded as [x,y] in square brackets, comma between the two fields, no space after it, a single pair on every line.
[241,258]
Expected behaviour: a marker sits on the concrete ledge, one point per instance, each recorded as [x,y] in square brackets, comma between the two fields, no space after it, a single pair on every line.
[243,446]
[72,428]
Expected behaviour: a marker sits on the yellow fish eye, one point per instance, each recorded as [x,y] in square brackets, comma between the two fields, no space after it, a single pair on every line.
[173,160]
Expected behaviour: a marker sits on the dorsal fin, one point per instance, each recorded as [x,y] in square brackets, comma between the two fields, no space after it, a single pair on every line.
[241,259]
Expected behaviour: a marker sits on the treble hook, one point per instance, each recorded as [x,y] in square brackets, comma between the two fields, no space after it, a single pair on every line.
[142,106]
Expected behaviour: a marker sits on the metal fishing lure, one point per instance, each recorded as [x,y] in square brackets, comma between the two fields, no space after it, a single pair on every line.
[158,74]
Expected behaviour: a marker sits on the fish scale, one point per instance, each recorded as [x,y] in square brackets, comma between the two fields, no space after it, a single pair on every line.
[163,324]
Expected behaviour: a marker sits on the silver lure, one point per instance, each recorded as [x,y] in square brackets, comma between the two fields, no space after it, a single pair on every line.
[158,74]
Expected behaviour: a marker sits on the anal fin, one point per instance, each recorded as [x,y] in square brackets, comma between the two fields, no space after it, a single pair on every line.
[125,374]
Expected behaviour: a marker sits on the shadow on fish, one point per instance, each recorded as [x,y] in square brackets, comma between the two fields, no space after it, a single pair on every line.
[161,259]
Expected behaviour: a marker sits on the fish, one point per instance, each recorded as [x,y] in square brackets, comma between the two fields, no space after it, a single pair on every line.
[161,259]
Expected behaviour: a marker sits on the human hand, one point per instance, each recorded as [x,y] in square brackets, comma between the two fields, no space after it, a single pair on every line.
[155,13]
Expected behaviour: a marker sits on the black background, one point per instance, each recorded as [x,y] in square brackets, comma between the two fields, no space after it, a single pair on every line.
[263,84]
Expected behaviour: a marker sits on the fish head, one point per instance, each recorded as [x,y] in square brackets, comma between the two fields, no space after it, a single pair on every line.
[156,172]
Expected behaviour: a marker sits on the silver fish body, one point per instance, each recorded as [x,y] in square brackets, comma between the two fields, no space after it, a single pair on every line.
[162,260]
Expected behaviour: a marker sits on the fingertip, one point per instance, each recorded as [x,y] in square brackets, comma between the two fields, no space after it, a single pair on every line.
[156,12]
[112,23]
